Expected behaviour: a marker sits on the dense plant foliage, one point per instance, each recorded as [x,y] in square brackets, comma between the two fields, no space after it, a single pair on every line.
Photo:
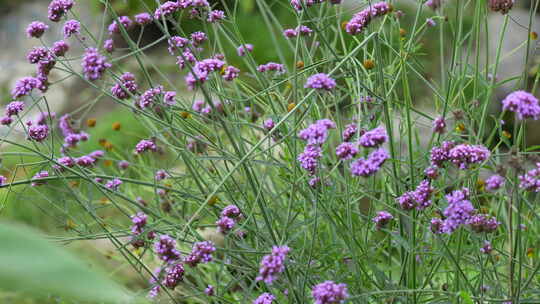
[314,178]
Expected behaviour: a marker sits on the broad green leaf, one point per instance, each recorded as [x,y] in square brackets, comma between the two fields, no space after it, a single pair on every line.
[466,298]
[31,264]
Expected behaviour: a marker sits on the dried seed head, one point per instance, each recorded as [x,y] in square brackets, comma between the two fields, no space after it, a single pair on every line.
[116,126]
[369,64]
[91,122]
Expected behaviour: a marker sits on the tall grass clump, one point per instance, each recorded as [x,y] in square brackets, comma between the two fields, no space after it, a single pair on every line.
[367,159]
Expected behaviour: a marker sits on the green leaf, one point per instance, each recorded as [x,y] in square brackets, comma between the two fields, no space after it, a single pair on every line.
[466,297]
[32,264]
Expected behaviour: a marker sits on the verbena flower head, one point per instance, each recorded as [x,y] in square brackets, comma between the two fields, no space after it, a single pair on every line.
[38,132]
[419,198]
[494,182]
[374,138]
[483,223]
[317,133]
[166,9]
[320,81]
[273,264]
[58,8]
[94,64]
[24,86]
[215,16]
[60,48]
[243,49]
[362,19]
[113,184]
[439,125]
[329,292]
[524,104]
[458,212]
[174,275]
[530,181]
[37,54]
[177,43]
[166,250]
[441,154]
[265,298]
[382,219]
[14,108]
[36,29]
[114,28]
[143,19]
[71,27]
[349,132]
[108,45]
[433,4]
[149,97]
[126,86]
[486,248]
[346,150]
[271,67]
[465,155]
[231,211]
[309,159]
[225,224]
[201,253]
[145,145]
[371,165]
[502,6]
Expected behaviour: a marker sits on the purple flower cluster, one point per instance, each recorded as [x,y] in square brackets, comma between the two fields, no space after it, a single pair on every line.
[215,16]
[483,223]
[363,18]
[530,181]
[149,96]
[458,212]
[145,145]
[441,154]
[374,138]
[36,29]
[301,30]
[176,43]
[229,216]
[465,155]
[165,248]
[346,150]
[320,81]
[439,125]
[71,27]
[37,132]
[201,253]
[524,104]
[349,132]
[329,292]
[166,9]
[12,109]
[24,86]
[71,138]
[126,84]
[433,4]
[139,221]
[273,264]
[174,275]
[202,70]
[265,298]
[143,19]
[315,135]
[419,198]
[367,167]
[299,4]
[243,49]
[271,67]
[382,219]
[113,184]
[494,182]
[60,48]
[36,178]
[487,248]
[94,64]
[58,8]
[124,21]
